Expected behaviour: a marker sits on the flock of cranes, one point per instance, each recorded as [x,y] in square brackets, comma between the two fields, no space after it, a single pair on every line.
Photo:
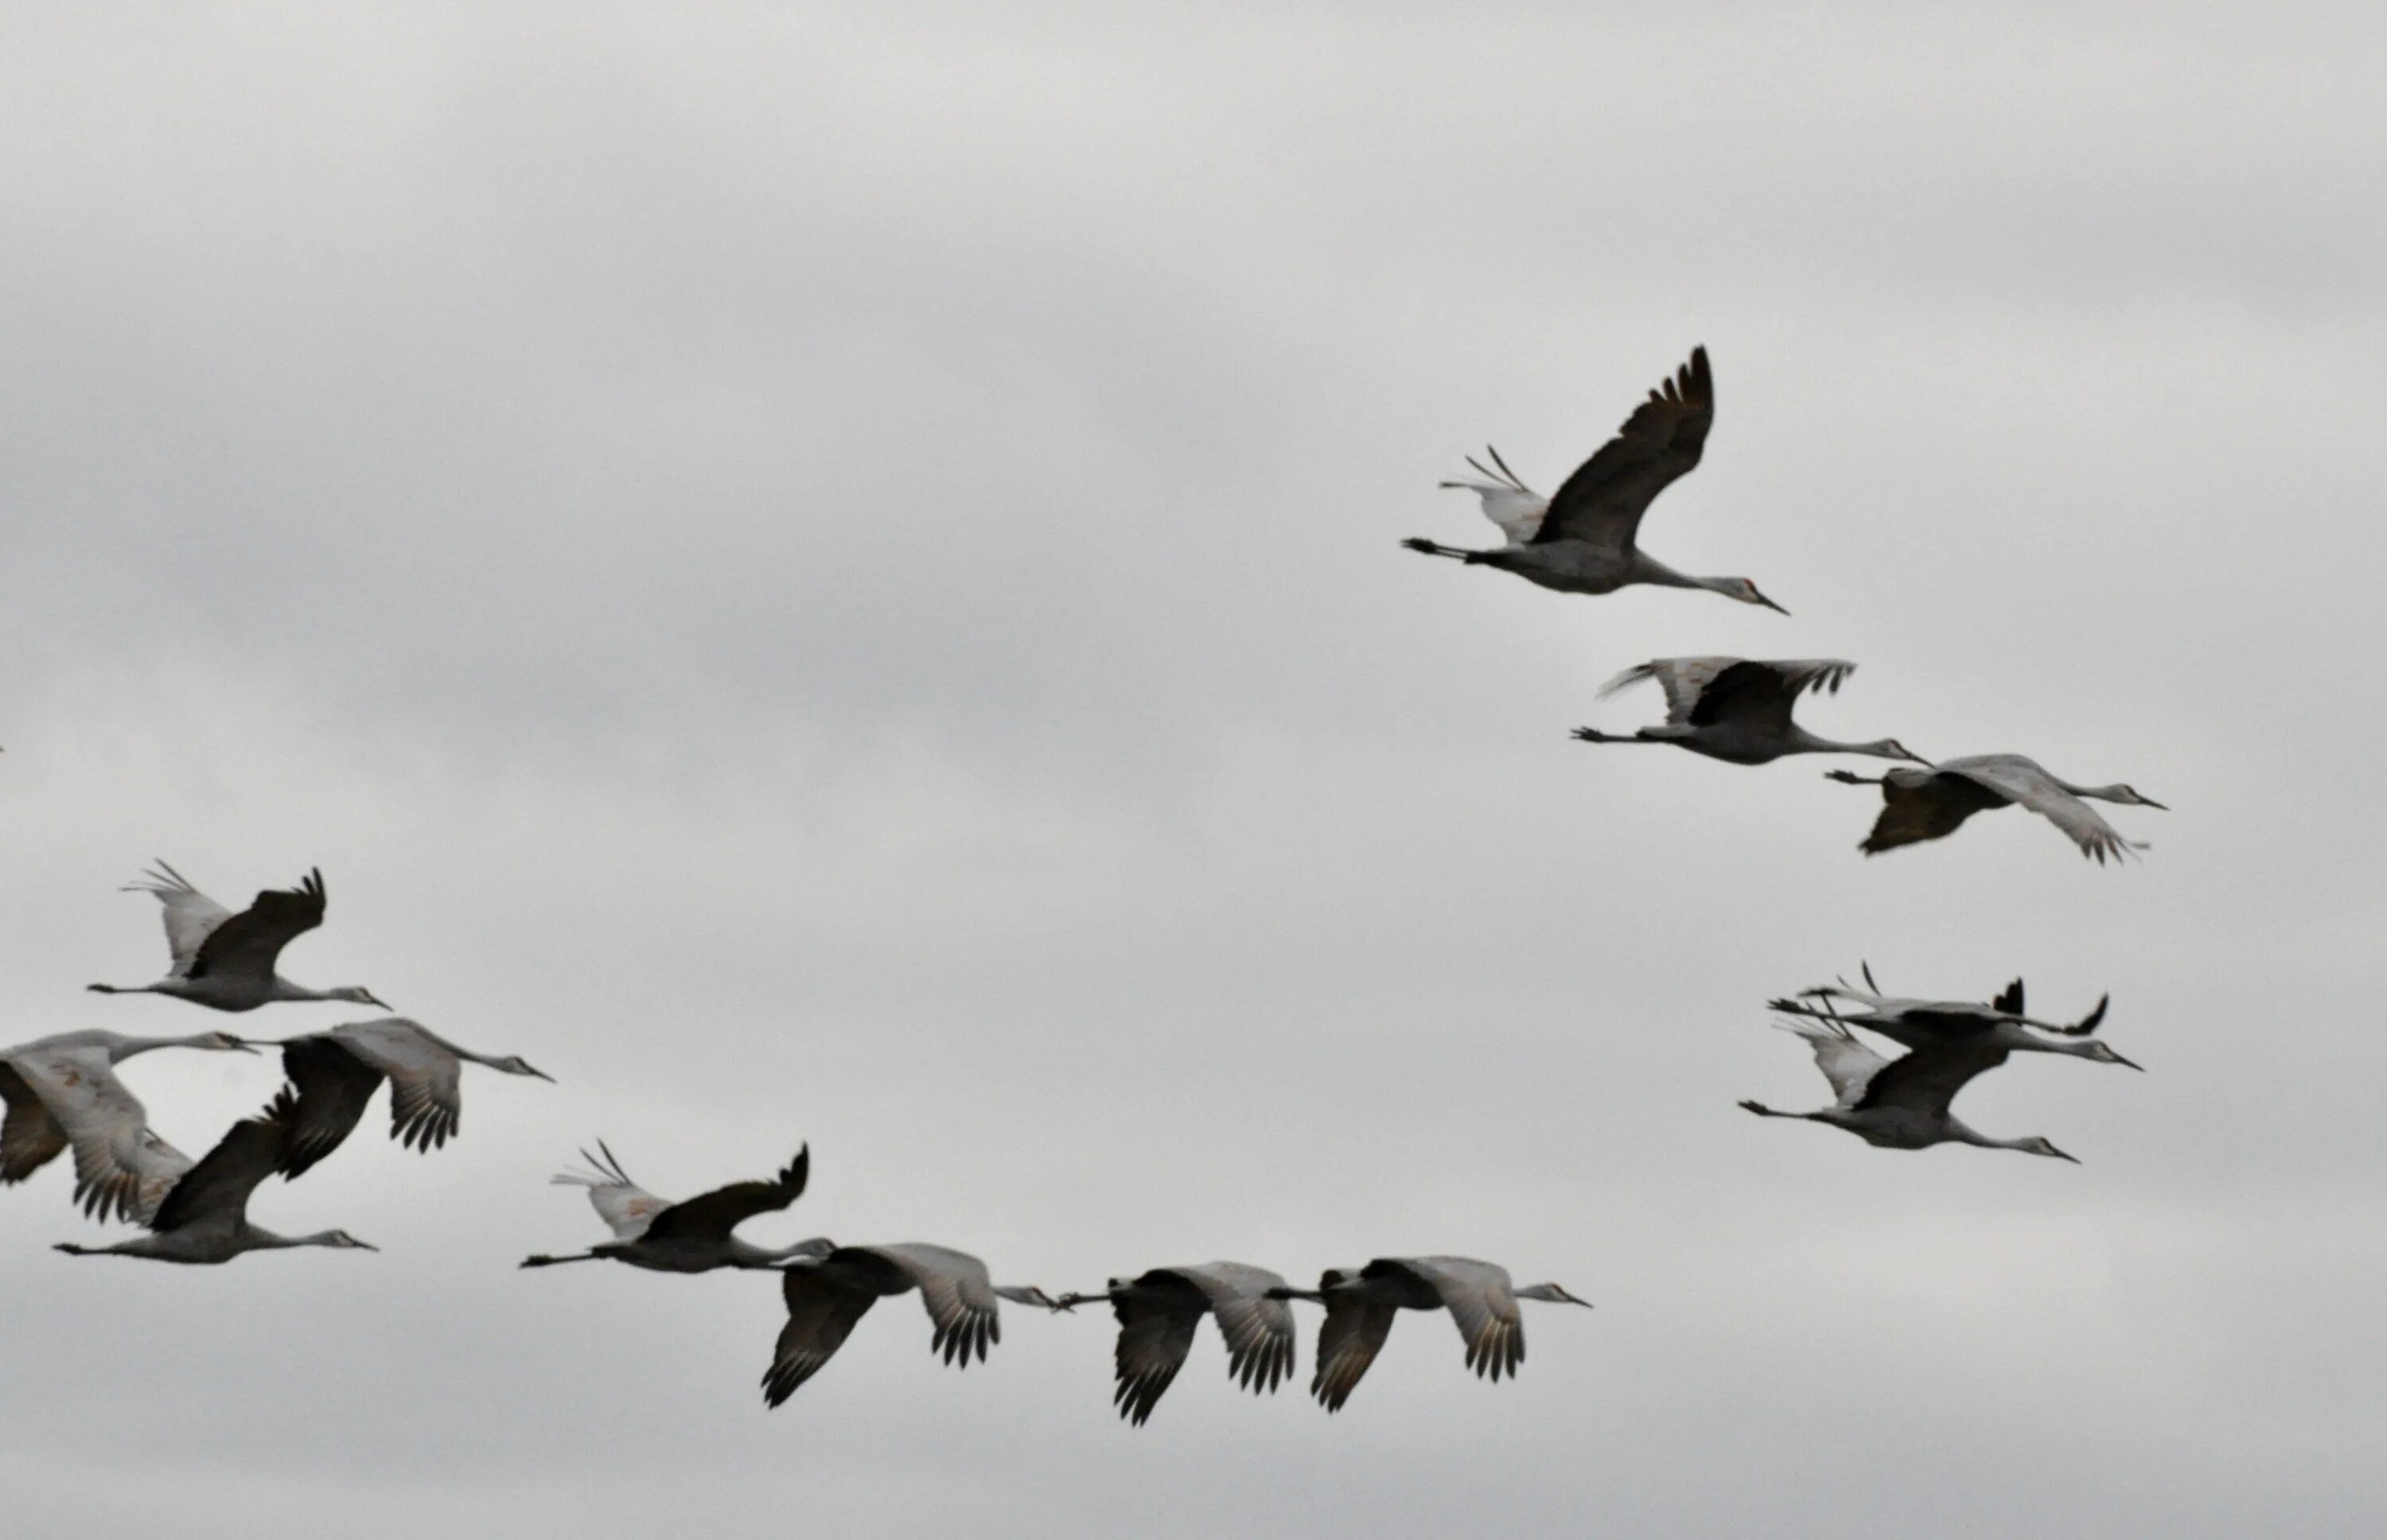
[63,1094]
[1587,540]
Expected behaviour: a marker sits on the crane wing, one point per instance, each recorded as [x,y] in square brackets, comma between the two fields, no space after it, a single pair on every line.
[1482,1300]
[1603,501]
[1701,690]
[218,1186]
[1928,1078]
[1930,805]
[426,1098]
[627,1208]
[191,916]
[123,1170]
[1157,1325]
[1519,514]
[1682,679]
[332,1086]
[30,1138]
[1516,507]
[957,1293]
[712,1215]
[250,943]
[1258,1330]
[822,1310]
[103,1123]
[1930,1027]
[2023,780]
[1764,691]
[1348,1340]
[1849,1064]
[156,1167]
[1918,1023]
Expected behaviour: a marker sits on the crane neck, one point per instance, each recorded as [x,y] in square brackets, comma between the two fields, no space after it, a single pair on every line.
[1649,569]
[265,1240]
[280,989]
[1966,1133]
[1804,741]
[125,1048]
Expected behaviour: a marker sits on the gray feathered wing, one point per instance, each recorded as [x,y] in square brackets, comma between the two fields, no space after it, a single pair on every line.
[30,1138]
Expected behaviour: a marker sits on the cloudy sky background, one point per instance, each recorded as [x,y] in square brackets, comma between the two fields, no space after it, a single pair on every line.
[829,574]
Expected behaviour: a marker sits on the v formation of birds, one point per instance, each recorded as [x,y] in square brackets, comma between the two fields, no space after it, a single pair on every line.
[63,1095]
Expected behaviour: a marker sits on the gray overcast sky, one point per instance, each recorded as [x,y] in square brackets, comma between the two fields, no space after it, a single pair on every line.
[829,573]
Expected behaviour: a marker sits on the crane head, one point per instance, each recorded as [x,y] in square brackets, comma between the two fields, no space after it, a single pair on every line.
[1746,591]
[2096,1051]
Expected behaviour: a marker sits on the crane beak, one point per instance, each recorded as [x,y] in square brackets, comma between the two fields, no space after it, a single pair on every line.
[2128,1062]
[2150,801]
[1771,605]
